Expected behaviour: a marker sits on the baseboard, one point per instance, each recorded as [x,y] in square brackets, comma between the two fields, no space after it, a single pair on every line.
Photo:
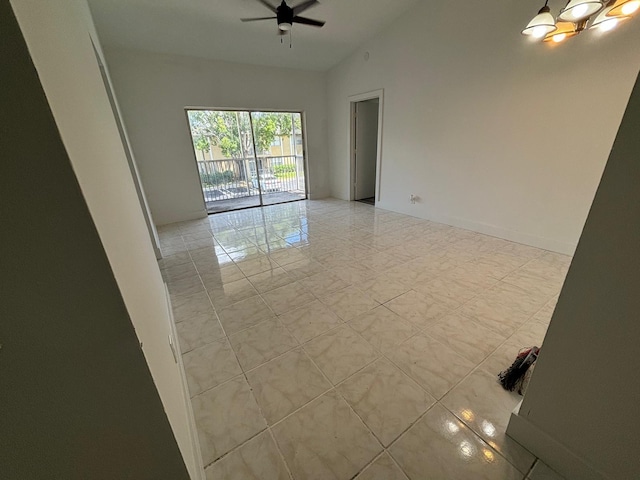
[184,218]
[493,230]
[518,237]
[318,195]
[191,421]
[549,450]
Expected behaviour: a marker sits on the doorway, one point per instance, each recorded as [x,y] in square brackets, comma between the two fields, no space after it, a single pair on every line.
[365,147]
[248,158]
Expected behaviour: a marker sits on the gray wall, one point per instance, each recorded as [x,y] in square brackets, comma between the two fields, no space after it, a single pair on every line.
[77,398]
[584,394]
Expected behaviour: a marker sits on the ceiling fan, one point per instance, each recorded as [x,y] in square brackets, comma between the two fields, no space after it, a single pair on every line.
[287,15]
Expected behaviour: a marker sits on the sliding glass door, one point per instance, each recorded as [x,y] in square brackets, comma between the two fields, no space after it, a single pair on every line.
[247,159]
[280,156]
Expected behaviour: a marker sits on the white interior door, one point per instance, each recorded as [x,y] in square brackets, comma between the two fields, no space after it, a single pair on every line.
[366,145]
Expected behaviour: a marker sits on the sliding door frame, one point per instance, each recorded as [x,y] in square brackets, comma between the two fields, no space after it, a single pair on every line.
[250,111]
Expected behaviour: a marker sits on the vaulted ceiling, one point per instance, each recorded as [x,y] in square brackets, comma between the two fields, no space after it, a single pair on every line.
[212,29]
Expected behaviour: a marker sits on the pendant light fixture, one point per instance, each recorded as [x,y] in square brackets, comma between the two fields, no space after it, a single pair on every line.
[604,21]
[577,10]
[542,24]
[624,8]
[574,17]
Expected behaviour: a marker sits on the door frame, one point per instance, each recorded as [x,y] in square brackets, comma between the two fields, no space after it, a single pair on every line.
[126,145]
[353,99]
[305,159]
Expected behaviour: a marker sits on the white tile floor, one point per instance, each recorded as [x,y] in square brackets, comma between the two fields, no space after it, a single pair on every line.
[328,339]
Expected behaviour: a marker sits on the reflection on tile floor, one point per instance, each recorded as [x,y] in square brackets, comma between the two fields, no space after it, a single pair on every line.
[333,340]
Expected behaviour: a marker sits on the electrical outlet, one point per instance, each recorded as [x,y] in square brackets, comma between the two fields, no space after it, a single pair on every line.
[413,198]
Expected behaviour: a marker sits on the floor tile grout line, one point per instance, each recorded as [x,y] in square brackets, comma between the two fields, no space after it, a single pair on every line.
[335,387]
[481,437]
[339,394]
[527,475]
[280,453]
[455,310]
[244,375]
[251,388]
[396,463]
[372,432]
[439,400]
[420,331]
[301,407]
[344,322]
[234,449]
[439,403]
[478,365]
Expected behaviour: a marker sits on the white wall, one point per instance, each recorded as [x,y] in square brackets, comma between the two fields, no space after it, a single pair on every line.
[154,89]
[57,35]
[494,133]
[580,414]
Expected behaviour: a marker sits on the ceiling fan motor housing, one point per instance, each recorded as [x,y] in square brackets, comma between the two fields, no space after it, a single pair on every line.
[285,16]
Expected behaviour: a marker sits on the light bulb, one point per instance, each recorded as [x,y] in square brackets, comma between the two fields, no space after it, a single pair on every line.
[539,32]
[559,37]
[630,7]
[609,24]
[579,10]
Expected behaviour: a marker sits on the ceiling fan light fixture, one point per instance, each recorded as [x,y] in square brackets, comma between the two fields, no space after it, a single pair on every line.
[577,10]
[284,26]
[542,24]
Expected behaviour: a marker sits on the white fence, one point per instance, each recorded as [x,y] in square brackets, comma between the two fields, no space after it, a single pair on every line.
[237,177]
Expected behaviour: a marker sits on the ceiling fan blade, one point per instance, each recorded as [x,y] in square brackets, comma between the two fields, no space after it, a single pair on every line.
[268,5]
[308,21]
[304,6]
[256,19]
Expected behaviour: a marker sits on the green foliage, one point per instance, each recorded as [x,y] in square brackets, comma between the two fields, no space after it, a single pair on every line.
[267,126]
[217,178]
[232,133]
[201,143]
[228,130]
[282,170]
